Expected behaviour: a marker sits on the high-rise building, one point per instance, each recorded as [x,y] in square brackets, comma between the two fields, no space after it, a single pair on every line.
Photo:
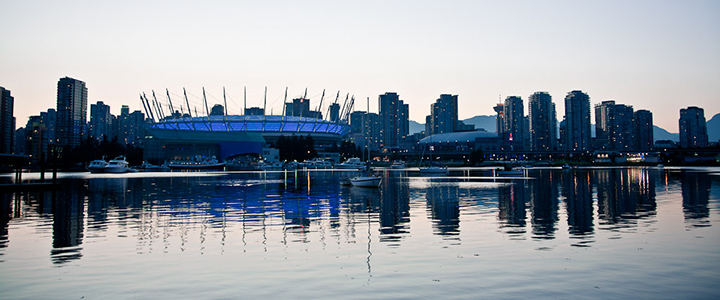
[100,125]
[393,120]
[364,129]
[7,121]
[515,127]
[643,130]
[71,111]
[693,129]
[500,119]
[614,128]
[334,112]
[543,122]
[444,114]
[577,122]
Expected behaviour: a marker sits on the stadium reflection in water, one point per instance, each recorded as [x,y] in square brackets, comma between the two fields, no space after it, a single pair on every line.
[222,213]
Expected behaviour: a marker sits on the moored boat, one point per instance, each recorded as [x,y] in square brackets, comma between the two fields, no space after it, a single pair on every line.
[433,170]
[117,165]
[97,166]
[398,164]
[198,163]
[351,163]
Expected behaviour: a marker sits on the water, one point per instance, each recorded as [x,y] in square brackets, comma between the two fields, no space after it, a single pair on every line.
[596,233]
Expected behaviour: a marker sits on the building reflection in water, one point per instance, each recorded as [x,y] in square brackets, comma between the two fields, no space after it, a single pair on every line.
[577,192]
[544,204]
[394,208]
[68,222]
[165,209]
[444,207]
[512,199]
[695,197]
[625,196]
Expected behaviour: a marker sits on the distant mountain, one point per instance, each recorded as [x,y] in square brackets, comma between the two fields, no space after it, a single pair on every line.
[662,134]
[713,129]
[416,127]
[484,122]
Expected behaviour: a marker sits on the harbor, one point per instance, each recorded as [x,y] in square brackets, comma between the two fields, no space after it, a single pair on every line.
[302,233]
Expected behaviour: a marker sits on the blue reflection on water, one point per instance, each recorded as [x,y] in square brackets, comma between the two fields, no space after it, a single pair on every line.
[267,209]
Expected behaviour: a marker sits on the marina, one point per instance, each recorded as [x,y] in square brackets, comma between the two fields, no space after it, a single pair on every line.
[644,232]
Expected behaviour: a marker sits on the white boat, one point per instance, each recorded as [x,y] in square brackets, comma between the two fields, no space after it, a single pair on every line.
[97,166]
[398,164]
[117,165]
[198,163]
[148,167]
[514,172]
[270,166]
[433,170]
[367,180]
[351,163]
[318,163]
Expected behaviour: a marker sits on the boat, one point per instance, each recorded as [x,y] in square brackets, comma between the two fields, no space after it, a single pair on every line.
[433,170]
[398,164]
[148,167]
[366,181]
[351,163]
[117,165]
[97,166]
[269,166]
[514,172]
[199,162]
[318,163]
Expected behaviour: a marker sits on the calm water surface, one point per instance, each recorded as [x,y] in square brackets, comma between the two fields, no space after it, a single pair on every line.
[594,233]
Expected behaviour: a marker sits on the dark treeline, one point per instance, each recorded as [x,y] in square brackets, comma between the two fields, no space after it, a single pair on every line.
[91,149]
[296,148]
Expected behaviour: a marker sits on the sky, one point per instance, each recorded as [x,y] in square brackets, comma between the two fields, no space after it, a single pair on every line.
[656,55]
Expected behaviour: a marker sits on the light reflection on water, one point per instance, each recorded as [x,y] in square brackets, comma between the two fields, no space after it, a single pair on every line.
[604,232]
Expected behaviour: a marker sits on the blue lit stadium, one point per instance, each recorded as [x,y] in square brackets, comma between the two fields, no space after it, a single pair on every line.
[226,136]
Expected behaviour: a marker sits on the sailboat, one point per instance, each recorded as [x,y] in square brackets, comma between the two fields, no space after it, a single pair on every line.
[431,169]
[368,179]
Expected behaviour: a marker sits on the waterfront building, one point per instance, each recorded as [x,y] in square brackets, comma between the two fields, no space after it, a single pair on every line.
[7,121]
[577,122]
[515,125]
[444,114]
[100,126]
[614,128]
[542,122]
[254,111]
[643,130]
[39,134]
[217,110]
[393,120]
[334,112]
[693,129]
[71,111]
[365,129]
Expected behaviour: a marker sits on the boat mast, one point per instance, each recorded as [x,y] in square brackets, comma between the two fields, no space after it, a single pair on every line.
[244,100]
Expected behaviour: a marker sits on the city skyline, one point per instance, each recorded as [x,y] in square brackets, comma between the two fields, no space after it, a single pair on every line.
[639,53]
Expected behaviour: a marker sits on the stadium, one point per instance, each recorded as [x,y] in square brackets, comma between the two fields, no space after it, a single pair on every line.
[182,136]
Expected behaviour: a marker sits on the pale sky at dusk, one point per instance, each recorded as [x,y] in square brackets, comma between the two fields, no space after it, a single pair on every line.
[655,55]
